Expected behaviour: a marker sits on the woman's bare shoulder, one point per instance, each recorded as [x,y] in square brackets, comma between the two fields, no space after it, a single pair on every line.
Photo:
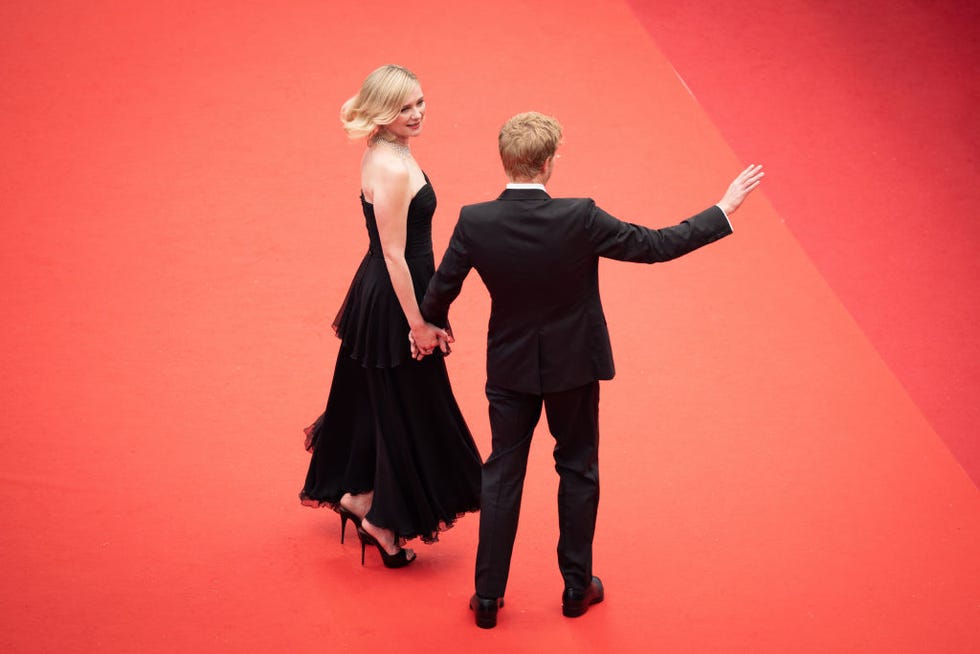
[382,171]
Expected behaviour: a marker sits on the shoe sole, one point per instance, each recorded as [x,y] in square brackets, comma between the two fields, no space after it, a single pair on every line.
[485,621]
[578,611]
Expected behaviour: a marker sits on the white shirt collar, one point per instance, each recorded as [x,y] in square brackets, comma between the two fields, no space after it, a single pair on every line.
[523,185]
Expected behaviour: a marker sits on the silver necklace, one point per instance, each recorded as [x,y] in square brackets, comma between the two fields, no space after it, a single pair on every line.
[401,149]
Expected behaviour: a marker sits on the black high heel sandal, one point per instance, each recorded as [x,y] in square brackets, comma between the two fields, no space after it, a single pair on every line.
[398,560]
[345,515]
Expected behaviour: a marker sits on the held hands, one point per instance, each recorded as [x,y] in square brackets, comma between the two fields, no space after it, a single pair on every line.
[740,188]
[425,338]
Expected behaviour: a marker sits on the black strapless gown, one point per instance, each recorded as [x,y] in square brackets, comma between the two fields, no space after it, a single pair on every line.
[392,423]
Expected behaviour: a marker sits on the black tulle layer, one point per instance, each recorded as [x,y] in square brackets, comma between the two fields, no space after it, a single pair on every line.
[370,322]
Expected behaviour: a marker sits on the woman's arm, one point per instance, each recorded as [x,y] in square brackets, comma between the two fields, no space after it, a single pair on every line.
[392,196]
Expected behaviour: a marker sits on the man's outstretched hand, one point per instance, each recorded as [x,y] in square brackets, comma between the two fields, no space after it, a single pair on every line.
[740,188]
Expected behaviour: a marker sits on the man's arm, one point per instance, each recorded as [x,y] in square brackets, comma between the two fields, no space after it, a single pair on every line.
[447,282]
[616,239]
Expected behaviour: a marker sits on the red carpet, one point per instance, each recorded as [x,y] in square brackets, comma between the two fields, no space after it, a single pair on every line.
[180,221]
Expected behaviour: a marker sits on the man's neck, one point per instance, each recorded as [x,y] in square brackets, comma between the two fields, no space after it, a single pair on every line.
[537,179]
[524,181]
[525,185]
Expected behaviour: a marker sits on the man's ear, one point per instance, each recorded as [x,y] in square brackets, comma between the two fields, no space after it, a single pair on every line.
[547,168]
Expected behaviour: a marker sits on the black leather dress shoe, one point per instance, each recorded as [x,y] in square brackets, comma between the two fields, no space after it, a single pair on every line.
[485,610]
[576,601]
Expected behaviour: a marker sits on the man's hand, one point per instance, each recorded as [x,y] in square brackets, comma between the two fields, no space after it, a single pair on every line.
[740,188]
[425,338]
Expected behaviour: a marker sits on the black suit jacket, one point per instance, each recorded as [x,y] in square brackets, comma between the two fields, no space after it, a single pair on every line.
[539,258]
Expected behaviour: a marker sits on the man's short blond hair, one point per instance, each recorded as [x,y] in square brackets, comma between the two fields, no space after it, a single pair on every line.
[526,143]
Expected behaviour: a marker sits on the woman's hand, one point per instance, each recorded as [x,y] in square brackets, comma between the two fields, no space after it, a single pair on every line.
[426,337]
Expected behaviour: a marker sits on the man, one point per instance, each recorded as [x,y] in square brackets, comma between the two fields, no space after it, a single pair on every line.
[547,342]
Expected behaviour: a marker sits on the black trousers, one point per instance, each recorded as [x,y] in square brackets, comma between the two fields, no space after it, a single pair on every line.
[573,419]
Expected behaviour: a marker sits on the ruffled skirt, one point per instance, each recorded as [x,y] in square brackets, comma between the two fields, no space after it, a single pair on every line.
[399,432]
[370,323]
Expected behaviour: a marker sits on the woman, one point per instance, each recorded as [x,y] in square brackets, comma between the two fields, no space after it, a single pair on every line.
[391,452]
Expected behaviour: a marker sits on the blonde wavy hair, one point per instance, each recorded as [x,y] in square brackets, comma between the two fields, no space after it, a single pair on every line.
[378,102]
[526,142]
